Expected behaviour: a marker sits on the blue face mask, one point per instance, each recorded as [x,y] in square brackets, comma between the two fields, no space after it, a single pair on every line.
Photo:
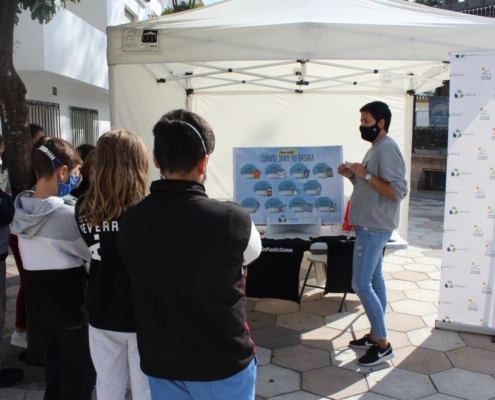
[63,188]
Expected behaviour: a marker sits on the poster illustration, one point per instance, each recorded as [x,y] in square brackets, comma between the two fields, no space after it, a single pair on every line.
[289,185]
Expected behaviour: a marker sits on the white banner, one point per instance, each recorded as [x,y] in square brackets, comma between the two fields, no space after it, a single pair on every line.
[468,259]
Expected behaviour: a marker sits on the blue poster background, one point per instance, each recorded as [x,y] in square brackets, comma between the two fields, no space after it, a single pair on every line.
[289,185]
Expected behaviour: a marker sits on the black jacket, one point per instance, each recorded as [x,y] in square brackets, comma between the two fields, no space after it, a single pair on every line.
[109,288]
[184,254]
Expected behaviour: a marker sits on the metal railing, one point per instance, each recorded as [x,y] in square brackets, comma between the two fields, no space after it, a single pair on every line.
[46,115]
[430,139]
[83,126]
[488,11]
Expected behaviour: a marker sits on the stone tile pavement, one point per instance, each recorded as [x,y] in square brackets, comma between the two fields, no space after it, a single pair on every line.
[302,349]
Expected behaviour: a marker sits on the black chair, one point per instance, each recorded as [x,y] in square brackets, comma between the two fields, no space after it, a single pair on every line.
[338,266]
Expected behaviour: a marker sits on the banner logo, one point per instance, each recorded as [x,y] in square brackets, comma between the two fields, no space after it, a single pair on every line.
[489,252]
[483,323]
[449,285]
[475,269]
[480,193]
[447,319]
[455,173]
[451,249]
[491,213]
[482,155]
[472,306]
[484,115]
[460,55]
[486,75]
[459,94]
[453,211]
[492,174]
[457,134]
[486,289]
[478,232]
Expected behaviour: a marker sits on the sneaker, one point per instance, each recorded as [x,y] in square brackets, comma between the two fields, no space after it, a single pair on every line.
[363,343]
[375,355]
[19,340]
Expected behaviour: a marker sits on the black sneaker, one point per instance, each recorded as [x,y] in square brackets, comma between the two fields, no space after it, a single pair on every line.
[363,343]
[375,355]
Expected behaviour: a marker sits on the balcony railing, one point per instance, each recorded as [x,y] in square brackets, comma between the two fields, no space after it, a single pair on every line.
[430,140]
[488,11]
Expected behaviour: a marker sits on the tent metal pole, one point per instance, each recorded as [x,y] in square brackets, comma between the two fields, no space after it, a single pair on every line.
[112,85]
[269,86]
[181,77]
[415,77]
[343,66]
[217,86]
[244,68]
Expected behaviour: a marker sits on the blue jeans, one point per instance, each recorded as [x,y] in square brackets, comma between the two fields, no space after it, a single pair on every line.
[367,277]
[238,387]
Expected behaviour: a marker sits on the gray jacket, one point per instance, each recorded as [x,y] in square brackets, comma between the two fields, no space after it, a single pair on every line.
[48,235]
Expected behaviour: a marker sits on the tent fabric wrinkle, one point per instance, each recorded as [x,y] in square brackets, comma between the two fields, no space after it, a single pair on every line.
[311,29]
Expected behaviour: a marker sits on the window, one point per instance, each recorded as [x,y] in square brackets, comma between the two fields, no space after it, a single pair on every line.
[83,126]
[128,16]
[45,114]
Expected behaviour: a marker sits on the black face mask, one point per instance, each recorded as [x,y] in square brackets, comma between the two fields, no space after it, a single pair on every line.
[370,133]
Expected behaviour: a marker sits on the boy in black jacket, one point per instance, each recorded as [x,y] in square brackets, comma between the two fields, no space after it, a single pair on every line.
[177,235]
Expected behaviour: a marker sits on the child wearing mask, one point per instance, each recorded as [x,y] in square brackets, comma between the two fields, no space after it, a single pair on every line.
[53,254]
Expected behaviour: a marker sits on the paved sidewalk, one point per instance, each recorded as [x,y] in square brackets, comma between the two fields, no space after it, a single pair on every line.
[302,349]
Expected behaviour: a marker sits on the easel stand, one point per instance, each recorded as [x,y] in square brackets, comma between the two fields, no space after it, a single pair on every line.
[286,231]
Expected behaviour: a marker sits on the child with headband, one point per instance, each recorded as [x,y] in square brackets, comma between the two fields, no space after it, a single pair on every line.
[53,254]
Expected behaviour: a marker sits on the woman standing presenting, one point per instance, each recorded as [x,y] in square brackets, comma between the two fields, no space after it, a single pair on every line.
[379,186]
[119,180]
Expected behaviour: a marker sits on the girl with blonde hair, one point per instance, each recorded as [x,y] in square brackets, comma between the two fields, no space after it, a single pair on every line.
[119,180]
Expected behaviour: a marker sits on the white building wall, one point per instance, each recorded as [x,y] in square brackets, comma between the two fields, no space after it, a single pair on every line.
[69,53]
[69,93]
[93,12]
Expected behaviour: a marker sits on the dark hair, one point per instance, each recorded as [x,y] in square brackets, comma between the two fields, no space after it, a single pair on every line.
[178,147]
[35,129]
[1,139]
[379,110]
[84,150]
[61,149]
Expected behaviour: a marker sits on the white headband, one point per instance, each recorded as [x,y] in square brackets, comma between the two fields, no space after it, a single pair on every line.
[50,155]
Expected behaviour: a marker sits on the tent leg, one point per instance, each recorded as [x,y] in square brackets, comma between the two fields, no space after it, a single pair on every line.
[189,102]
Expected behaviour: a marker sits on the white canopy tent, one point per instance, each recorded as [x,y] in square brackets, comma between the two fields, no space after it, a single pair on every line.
[285,72]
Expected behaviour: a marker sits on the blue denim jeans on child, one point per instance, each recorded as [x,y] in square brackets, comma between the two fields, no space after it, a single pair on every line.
[240,386]
[367,277]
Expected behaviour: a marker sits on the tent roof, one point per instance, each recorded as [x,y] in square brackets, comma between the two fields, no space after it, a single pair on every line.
[236,30]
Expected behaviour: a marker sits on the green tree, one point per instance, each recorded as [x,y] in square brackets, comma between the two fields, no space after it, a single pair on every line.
[13,109]
[14,114]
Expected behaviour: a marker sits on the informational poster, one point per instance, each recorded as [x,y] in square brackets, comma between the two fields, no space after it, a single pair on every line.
[468,259]
[289,185]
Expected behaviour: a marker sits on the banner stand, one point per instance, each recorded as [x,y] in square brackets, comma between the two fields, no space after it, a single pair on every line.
[302,231]
[452,326]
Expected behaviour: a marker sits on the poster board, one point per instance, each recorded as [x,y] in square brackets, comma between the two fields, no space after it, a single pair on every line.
[468,257]
[289,185]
